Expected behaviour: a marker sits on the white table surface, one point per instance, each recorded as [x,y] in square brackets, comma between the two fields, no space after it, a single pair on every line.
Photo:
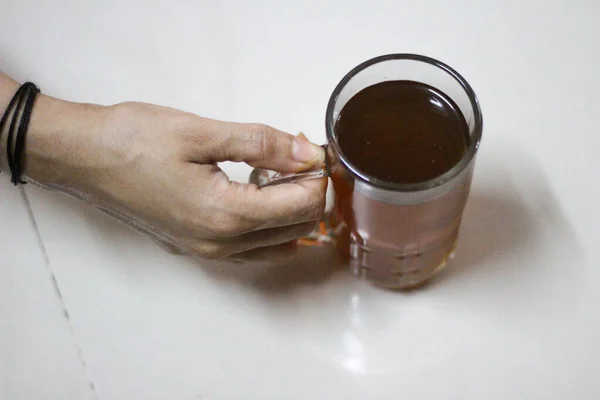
[515,316]
[38,353]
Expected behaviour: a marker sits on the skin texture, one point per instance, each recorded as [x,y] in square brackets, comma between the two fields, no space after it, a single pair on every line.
[155,168]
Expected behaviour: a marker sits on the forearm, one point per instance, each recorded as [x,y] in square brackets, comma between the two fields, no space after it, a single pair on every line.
[56,139]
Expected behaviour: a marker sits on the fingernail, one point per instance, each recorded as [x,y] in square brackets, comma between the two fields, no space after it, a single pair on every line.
[305,152]
[302,135]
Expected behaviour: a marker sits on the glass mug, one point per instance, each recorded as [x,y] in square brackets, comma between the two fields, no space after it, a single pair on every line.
[396,235]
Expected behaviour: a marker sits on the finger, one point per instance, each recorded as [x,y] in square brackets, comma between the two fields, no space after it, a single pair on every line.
[269,237]
[272,254]
[251,209]
[214,249]
[262,146]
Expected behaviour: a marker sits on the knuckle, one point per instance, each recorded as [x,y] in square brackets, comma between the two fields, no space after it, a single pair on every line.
[223,215]
[210,251]
[224,225]
[263,140]
[260,129]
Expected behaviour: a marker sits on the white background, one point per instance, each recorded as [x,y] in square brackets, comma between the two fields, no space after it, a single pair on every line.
[515,316]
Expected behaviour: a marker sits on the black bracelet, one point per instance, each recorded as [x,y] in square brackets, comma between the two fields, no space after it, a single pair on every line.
[20,105]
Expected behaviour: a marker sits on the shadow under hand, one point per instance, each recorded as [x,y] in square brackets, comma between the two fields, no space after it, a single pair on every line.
[308,266]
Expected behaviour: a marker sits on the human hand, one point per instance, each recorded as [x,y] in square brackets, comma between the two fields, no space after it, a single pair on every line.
[155,168]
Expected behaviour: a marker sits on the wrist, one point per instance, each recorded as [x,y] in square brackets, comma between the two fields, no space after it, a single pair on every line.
[58,139]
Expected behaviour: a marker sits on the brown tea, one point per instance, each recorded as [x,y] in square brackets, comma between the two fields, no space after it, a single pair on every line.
[400,132]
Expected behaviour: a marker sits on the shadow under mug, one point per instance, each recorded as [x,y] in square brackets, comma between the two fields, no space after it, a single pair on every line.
[396,235]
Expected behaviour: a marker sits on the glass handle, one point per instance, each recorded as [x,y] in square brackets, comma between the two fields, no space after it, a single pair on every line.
[264,177]
[323,233]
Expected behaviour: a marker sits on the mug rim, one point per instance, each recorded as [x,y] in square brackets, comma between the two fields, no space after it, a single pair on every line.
[406,187]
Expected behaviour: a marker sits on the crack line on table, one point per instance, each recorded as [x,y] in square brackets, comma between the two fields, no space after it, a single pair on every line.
[59,293]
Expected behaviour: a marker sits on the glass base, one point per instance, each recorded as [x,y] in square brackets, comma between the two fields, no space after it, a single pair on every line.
[402,281]
[406,272]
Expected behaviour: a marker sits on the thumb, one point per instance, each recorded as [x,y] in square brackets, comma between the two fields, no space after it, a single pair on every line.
[262,146]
